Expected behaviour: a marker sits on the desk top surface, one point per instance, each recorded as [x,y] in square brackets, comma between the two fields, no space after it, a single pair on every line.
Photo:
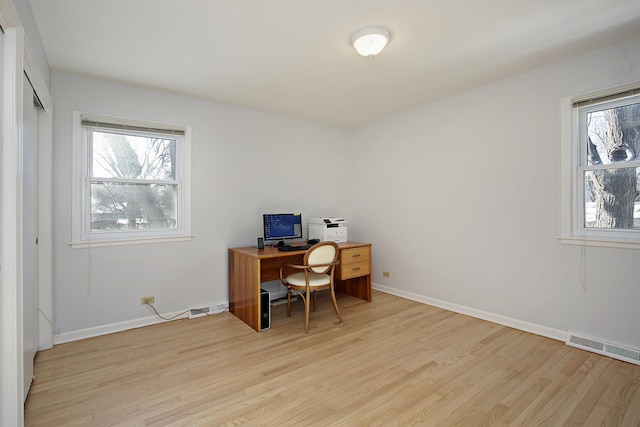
[272,251]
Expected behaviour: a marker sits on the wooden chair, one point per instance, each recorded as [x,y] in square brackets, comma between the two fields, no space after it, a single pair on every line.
[315,274]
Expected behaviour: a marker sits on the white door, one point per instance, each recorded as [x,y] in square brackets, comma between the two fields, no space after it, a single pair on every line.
[30,232]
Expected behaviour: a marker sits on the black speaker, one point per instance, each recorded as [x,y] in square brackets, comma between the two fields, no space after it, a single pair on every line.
[265,310]
[260,243]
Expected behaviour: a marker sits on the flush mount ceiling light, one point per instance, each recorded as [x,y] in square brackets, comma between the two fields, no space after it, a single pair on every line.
[370,41]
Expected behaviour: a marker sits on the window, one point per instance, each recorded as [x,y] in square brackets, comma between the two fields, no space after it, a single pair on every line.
[601,198]
[131,181]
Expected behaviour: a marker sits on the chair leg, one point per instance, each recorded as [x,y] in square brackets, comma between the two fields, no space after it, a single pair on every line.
[307,304]
[288,302]
[335,303]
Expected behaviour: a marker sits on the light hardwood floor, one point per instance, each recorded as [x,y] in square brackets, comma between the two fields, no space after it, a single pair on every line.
[393,362]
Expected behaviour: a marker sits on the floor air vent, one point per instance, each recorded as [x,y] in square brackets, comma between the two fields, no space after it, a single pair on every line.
[606,349]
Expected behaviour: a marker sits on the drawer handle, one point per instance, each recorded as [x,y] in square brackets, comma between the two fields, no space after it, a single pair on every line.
[355,255]
[355,269]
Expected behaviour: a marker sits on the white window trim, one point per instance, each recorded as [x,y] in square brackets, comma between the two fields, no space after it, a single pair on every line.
[569,193]
[78,239]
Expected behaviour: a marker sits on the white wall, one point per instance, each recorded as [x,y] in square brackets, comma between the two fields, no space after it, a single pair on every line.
[461,199]
[242,160]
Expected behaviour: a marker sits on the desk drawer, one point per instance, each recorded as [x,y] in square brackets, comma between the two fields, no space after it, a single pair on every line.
[354,262]
[348,271]
[348,256]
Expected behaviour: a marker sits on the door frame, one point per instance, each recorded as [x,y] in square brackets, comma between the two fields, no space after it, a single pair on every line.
[18,60]
[11,252]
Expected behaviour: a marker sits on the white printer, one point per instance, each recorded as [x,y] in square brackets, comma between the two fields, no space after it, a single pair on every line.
[328,229]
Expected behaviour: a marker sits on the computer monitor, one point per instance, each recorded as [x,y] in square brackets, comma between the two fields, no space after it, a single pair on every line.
[280,227]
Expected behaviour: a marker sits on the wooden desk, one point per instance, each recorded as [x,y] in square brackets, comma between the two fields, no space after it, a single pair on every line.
[250,266]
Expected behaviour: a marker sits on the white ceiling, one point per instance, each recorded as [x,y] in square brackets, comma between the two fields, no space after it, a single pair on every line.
[293,56]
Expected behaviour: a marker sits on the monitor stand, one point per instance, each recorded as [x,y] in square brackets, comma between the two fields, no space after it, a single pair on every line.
[281,243]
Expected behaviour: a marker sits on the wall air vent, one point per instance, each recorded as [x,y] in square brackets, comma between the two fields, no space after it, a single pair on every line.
[204,311]
[606,349]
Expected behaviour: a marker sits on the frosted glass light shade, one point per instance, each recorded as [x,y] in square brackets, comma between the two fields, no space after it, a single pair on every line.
[370,41]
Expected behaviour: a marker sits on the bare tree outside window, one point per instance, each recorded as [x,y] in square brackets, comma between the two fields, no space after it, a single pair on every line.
[612,183]
[133,181]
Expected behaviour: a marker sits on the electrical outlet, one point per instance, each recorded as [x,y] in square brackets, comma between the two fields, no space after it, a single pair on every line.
[147,300]
[386,274]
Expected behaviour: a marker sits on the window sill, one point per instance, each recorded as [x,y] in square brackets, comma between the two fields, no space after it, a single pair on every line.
[126,242]
[603,243]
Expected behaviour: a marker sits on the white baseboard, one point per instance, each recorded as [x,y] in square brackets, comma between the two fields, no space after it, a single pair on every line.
[533,328]
[123,326]
[479,314]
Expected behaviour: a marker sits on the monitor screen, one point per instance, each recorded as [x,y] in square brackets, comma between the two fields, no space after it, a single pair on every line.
[282,226]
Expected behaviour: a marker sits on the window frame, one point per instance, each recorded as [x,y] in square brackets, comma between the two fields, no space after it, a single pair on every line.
[82,236]
[573,163]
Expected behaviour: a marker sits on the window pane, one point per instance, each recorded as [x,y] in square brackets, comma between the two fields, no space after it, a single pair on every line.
[613,134]
[116,206]
[116,155]
[611,199]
